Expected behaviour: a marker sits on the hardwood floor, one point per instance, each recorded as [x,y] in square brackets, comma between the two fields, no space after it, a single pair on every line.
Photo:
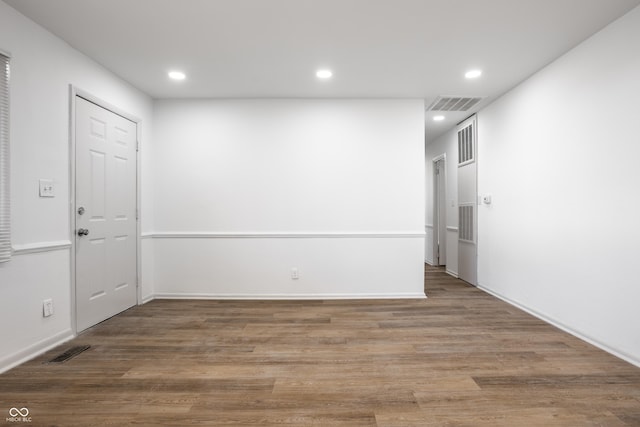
[459,358]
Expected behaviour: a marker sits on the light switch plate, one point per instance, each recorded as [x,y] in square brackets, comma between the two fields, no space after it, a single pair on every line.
[47,307]
[47,189]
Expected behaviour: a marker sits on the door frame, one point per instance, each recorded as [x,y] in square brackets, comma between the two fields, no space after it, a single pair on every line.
[435,206]
[74,92]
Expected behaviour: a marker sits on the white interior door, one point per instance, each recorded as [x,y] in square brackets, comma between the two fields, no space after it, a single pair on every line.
[439,213]
[105,232]
[467,201]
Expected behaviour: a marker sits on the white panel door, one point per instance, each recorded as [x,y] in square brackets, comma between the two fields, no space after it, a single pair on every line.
[467,201]
[105,231]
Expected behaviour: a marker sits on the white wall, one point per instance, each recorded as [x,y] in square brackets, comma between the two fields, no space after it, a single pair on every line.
[253,188]
[42,67]
[447,145]
[559,154]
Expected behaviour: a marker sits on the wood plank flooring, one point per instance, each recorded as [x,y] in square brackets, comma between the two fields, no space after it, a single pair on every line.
[459,358]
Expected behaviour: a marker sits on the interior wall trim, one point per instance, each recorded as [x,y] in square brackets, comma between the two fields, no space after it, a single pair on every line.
[171,235]
[451,273]
[35,350]
[313,296]
[593,341]
[147,299]
[34,248]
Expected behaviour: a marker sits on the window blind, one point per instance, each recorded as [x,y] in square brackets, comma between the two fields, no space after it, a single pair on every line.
[5,211]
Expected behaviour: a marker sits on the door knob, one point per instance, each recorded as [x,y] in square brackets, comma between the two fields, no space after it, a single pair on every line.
[83,232]
[81,210]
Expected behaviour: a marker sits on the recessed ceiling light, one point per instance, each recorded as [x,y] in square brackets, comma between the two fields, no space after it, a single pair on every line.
[473,74]
[177,75]
[438,118]
[324,74]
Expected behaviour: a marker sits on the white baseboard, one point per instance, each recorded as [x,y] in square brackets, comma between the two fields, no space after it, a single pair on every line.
[451,273]
[35,350]
[147,299]
[634,361]
[213,296]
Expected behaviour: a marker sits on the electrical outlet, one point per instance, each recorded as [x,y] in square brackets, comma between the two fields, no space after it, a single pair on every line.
[47,188]
[47,307]
[295,274]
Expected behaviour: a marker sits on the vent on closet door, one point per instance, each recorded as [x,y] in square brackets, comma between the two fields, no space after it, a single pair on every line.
[466,145]
[465,223]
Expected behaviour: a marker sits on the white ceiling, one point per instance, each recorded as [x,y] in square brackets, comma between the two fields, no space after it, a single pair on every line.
[376,48]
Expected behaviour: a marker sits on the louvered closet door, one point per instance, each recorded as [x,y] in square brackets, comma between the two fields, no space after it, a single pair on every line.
[106,214]
[467,201]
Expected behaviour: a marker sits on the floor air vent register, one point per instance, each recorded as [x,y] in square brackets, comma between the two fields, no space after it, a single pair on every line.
[69,354]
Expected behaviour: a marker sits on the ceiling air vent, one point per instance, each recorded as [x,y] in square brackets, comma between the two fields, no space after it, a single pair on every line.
[451,103]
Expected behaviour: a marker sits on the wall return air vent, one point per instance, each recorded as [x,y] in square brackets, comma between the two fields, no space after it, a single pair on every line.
[453,103]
